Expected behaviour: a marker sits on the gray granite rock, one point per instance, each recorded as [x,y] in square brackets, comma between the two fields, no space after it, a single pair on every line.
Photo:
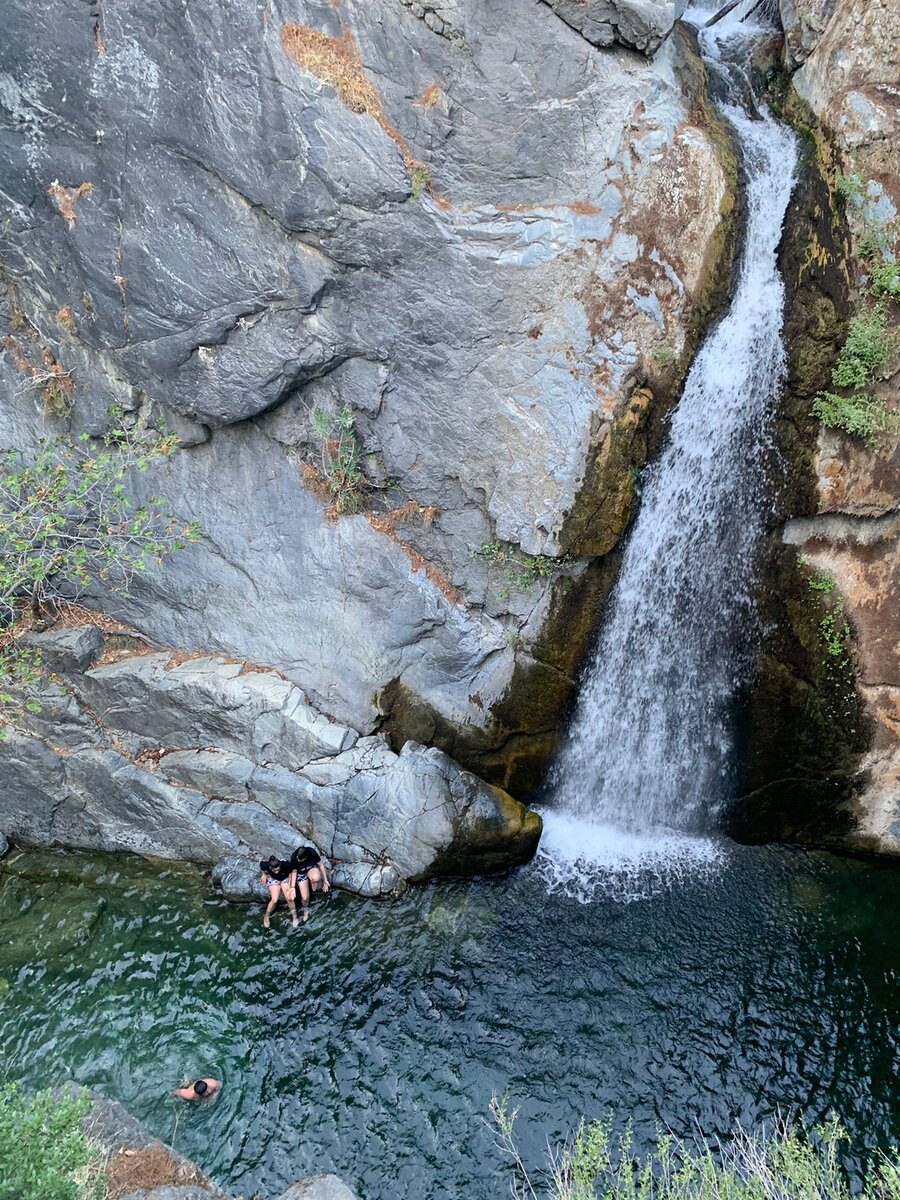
[643,24]
[127,784]
[4,846]
[173,1193]
[67,649]
[235,246]
[319,1187]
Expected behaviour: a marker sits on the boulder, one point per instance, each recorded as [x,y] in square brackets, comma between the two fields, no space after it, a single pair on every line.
[129,781]
[641,24]
[319,1187]
[67,649]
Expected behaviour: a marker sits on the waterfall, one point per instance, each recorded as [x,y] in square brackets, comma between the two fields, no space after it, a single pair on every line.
[644,766]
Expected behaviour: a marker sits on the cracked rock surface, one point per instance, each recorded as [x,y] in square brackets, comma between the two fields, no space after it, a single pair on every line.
[208,761]
[476,252]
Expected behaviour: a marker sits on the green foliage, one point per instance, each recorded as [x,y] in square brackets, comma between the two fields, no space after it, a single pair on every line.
[836,640]
[884,278]
[67,519]
[865,351]
[851,189]
[43,1153]
[419,178]
[663,355]
[341,457]
[520,571]
[18,668]
[785,1162]
[863,355]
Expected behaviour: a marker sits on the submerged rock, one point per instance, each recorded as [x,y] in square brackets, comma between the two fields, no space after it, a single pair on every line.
[206,761]
[319,1187]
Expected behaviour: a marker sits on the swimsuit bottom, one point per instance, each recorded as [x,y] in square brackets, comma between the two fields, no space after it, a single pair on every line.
[270,882]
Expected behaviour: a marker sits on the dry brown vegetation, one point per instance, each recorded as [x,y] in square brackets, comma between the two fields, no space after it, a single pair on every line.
[151,1167]
[430,96]
[419,563]
[48,376]
[64,198]
[66,318]
[337,62]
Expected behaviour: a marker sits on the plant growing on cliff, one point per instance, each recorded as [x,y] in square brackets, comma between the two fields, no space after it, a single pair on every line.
[520,571]
[44,1154]
[864,353]
[785,1162]
[67,520]
[340,478]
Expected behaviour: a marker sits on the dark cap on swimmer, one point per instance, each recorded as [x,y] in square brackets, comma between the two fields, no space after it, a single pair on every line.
[201,1087]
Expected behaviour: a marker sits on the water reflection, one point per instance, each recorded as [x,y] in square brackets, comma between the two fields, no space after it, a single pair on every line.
[370,1041]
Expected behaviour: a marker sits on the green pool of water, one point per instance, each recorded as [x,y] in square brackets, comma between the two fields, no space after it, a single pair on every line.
[370,1042]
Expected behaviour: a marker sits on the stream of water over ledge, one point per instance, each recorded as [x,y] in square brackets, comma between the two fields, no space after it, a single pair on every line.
[369,1042]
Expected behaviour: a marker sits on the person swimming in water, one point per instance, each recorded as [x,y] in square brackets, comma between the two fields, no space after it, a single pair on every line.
[308,871]
[201,1090]
[277,876]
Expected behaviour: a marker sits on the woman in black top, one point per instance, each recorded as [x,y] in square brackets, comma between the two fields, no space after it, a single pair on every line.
[308,870]
[278,877]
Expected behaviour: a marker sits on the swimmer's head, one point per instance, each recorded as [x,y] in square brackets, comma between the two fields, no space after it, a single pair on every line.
[201,1087]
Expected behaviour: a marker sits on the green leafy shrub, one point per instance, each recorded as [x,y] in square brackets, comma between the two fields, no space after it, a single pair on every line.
[419,179]
[341,479]
[520,571]
[44,1155]
[850,188]
[865,351]
[67,519]
[860,415]
[785,1162]
[884,278]
[663,355]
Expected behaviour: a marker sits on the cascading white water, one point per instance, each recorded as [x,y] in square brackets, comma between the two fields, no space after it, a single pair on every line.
[648,749]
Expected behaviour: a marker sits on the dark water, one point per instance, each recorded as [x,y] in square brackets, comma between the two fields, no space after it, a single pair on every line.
[369,1043]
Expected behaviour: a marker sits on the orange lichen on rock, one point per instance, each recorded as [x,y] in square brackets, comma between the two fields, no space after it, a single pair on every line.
[65,198]
[437,578]
[430,96]
[337,62]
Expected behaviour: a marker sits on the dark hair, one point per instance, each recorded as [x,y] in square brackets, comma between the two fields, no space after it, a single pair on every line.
[272,861]
[201,1087]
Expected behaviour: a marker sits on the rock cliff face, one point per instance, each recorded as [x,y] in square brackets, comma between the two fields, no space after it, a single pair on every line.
[827,765]
[488,242]
[203,759]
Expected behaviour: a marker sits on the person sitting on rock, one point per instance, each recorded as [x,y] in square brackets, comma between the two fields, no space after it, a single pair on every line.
[201,1090]
[278,876]
[308,871]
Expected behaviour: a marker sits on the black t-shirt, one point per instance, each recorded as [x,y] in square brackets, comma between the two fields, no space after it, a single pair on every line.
[304,858]
[279,870]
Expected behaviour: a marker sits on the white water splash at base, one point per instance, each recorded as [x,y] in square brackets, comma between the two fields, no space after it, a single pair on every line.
[587,860]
